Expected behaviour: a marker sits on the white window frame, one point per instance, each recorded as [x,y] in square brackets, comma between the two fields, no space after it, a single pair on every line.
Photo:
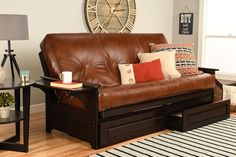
[202,40]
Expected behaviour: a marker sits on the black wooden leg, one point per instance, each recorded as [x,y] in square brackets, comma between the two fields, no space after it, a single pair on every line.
[94,126]
[16,65]
[49,126]
[26,113]
[17,112]
[4,60]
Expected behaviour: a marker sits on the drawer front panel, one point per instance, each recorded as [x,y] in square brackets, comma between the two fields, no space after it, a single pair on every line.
[115,131]
[199,116]
[206,114]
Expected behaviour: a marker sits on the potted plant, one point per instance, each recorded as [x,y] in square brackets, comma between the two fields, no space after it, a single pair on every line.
[6,100]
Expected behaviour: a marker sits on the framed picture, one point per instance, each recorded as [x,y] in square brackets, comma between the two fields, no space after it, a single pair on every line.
[186,23]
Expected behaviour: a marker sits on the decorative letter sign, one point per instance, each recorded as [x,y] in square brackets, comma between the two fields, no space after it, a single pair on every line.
[186,23]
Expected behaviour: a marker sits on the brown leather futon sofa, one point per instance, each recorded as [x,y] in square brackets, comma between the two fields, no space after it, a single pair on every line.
[105,112]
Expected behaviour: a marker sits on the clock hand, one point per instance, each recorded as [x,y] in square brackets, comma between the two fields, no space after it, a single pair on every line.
[119,20]
[112,12]
[107,19]
[109,3]
[113,9]
[117,4]
[120,9]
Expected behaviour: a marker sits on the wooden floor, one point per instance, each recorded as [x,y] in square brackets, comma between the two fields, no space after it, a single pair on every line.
[56,144]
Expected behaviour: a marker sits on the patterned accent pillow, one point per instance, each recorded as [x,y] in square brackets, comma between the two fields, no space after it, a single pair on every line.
[185,60]
[143,72]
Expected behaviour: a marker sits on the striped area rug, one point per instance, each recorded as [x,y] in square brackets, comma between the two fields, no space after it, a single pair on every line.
[214,140]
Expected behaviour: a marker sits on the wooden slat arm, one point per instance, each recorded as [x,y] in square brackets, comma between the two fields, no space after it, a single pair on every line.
[208,70]
[219,84]
[91,85]
[44,84]
[48,78]
[91,89]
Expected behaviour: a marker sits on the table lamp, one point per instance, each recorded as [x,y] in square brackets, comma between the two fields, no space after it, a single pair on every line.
[13,27]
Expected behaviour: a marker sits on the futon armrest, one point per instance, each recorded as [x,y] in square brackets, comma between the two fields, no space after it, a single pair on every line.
[48,78]
[85,84]
[44,84]
[52,92]
[208,70]
[91,85]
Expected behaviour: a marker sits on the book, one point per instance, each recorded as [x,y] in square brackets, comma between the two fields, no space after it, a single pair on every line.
[71,85]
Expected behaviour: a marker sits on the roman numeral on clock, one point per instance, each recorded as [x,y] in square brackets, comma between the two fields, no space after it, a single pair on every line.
[94,24]
[92,8]
[132,12]
[129,25]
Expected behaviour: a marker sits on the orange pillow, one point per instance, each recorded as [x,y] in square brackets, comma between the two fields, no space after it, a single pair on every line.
[148,71]
[142,72]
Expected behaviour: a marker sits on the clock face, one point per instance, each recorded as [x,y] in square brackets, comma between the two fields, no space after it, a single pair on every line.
[110,16]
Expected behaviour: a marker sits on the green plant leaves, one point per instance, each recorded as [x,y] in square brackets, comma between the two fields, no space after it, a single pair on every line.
[6,99]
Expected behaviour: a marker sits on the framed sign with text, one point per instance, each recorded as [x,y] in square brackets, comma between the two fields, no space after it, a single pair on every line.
[186,23]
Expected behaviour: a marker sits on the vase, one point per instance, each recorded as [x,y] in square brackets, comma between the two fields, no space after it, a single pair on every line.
[5,112]
[2,75]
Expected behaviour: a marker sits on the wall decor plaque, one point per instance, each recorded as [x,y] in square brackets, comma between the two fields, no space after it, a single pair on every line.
[186,23]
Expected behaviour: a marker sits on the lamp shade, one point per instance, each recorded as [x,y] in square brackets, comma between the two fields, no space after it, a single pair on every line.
[13,27]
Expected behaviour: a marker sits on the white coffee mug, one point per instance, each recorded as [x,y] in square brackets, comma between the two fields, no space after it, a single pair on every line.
[66,76]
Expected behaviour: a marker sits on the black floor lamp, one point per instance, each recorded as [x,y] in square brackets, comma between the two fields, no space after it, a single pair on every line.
[13,27]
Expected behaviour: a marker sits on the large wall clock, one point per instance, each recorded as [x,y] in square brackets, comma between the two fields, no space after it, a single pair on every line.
[110,16]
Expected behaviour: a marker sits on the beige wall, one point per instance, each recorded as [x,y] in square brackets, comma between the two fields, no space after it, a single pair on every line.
[48,16]
[186,6]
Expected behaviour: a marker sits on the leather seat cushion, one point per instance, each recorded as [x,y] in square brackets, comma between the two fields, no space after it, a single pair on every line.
[121,95]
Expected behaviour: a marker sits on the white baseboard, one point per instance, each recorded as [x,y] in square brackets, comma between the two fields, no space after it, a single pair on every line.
[34,108]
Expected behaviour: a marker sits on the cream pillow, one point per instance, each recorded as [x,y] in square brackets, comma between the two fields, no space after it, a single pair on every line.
[167,61]
[127,73]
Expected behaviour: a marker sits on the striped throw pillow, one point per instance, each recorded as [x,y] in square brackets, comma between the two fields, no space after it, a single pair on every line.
[185,60]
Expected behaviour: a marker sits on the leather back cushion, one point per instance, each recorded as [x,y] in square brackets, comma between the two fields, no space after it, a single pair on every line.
[94,57]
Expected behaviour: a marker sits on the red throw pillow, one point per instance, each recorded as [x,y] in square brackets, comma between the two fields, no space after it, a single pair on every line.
[148,71]
[142,72]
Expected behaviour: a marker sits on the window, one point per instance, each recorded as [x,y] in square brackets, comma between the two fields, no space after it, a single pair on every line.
[219,36]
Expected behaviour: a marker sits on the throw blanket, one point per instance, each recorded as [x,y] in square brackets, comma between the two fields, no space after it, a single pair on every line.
[229,92]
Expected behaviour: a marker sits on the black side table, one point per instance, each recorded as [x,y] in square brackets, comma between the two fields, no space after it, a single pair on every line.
[16,115]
